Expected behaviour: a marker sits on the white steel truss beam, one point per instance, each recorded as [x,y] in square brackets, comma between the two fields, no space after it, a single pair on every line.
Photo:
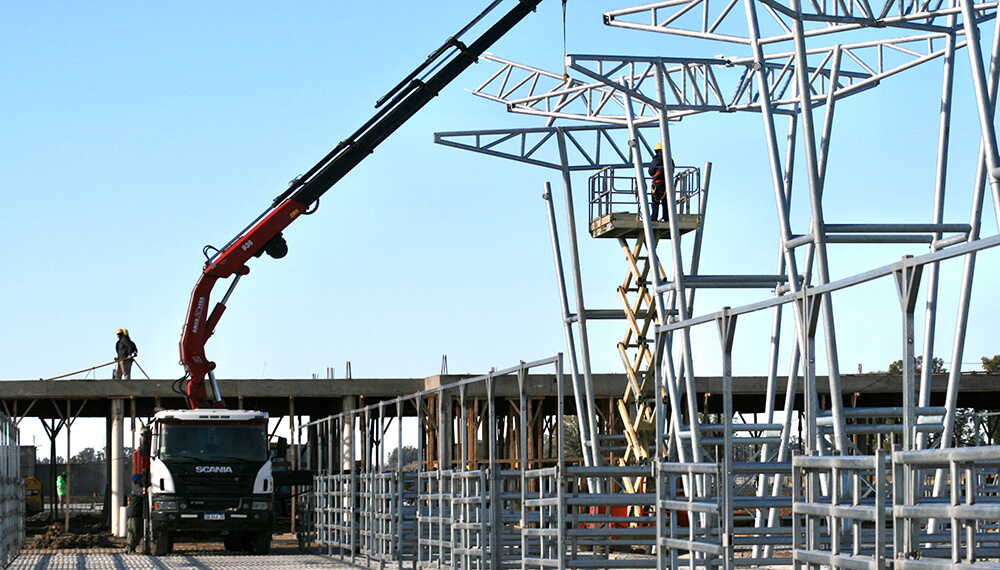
[589,147]
[698,85]
[717,21]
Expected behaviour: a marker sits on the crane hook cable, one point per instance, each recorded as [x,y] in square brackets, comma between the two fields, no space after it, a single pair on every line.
[565,66]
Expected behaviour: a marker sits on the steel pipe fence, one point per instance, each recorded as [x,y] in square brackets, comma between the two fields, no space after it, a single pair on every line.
[839,517]
[459,509]
[470,528]
[434,517]
[958,530]
[381,529]
[569,523]
[602,522]
[689,515]
[508,516]
[334,524]
[543,520]
[452,515]
[690,502]
[11,492]
[820,511]
[761,491]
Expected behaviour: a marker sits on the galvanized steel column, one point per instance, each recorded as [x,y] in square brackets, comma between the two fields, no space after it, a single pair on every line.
[818,224]
[940,186]
[727,330]
[907,284]
[588,380]
[582,410]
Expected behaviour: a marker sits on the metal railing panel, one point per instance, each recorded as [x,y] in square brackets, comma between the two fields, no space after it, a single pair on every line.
[958,530]
[839,516]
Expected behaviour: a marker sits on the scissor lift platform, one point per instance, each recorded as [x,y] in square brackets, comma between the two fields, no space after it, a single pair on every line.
[629,225]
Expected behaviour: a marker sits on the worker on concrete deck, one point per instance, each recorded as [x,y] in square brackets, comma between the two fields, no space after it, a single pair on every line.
[658,173]
[125,351]
[133,512]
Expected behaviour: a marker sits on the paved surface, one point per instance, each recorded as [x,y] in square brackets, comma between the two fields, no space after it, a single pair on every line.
[285,555]
[209,561]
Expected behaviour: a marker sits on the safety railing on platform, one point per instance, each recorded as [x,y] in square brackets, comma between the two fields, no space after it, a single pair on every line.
[614,190]
[11,492]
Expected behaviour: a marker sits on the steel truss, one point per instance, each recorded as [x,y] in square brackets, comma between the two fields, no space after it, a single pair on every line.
[737,483]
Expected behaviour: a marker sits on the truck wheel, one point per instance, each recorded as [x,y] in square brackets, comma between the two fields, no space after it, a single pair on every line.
[161,543]
[235,542]
[260,543]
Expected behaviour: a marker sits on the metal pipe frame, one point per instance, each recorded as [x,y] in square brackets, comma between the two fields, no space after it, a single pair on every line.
[846,528]
[967,515]
[455,515]
[11,491]
[592,447]
[582,423]
[796,66]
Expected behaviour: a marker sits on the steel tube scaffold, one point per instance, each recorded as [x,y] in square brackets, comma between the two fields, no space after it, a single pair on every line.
[808,485]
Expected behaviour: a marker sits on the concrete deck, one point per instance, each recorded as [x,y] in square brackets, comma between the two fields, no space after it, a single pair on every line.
[322,397]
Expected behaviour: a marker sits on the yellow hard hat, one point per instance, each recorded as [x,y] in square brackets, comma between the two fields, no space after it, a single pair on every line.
[659,146]
[120,331]
[125,331]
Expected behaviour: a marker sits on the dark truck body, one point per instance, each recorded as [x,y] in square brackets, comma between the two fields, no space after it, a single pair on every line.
[210,477]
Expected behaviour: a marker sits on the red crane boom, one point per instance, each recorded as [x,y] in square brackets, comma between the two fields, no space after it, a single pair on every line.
[263,235]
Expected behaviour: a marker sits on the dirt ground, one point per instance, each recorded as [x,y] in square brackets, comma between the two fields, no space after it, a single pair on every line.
[86,533]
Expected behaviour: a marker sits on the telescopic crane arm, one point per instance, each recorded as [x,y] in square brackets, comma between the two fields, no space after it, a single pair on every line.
[264,235]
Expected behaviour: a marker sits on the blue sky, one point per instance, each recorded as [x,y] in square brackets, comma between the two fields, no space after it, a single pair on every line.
[136,134]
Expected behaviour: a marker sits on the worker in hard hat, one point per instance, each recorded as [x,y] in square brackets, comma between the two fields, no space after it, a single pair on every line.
[125,351]
[658,174]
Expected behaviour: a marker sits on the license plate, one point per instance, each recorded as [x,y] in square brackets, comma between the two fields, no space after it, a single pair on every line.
[215,517]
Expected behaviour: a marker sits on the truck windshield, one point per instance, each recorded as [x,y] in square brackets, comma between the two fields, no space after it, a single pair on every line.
[213,441]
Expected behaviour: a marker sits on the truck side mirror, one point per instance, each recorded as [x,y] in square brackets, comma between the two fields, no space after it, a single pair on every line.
[281,449]
[144,442]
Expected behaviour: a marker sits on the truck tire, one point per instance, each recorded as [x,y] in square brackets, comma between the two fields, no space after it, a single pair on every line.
[236,542]
[161,543]
[260,543]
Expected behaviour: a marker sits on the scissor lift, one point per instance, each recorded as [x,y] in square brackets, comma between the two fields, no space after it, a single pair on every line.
[615,213]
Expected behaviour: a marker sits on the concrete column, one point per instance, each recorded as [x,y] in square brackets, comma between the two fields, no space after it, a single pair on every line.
[347,437]
[69,485]
[293,428]
[117,466]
